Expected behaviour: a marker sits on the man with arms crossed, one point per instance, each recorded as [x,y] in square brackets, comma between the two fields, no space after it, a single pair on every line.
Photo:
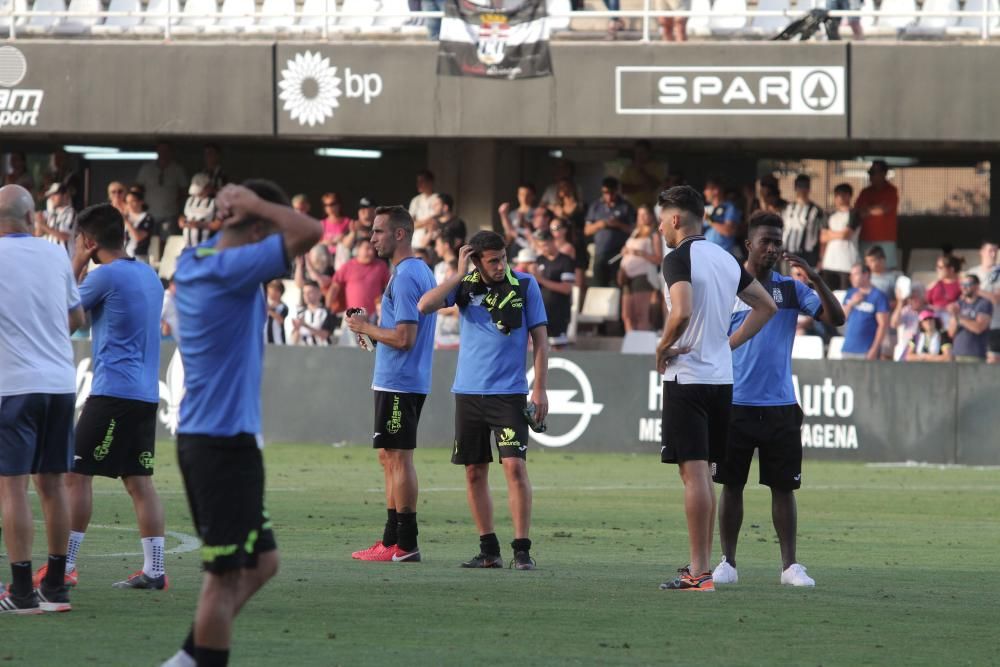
[116,434]
[499,309]
[222,314]
[404,347]
[37,400]
[765,414]
[695,358]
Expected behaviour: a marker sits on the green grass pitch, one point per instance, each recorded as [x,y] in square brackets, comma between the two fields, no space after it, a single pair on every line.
[904,559]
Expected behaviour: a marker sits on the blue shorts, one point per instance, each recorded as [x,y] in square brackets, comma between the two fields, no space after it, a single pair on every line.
[36,433]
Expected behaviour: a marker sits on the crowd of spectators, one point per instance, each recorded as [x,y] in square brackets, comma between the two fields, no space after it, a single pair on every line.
[570,246]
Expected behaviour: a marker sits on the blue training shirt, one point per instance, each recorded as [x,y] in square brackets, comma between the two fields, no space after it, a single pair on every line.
[406,371]
[762,367]
[222,313]
[862,323]
[490,362]
[125,301]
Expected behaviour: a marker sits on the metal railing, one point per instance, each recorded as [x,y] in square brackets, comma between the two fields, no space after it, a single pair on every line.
[331,22]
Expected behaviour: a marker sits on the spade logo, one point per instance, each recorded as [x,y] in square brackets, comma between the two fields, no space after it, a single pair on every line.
[819,90]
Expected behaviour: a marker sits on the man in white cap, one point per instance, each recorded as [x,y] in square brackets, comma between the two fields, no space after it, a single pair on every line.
[56,223]
[198,222]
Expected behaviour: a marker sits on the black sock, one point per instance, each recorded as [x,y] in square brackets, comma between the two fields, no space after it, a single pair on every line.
[20,578]
[521,544]
[407,527]
[188,646]
[211,657]
[56,572]
[389,534]
[489,544]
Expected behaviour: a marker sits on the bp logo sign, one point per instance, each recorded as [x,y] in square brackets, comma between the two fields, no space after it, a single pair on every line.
[567,402]
[311,88]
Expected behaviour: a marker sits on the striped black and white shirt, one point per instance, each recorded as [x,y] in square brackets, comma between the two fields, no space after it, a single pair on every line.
[198,209]
[803,223]
[62,220]
[716,278]
[275,328]
[317,318]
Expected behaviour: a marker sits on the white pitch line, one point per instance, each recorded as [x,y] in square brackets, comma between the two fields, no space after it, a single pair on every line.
[188,543]
[979,488]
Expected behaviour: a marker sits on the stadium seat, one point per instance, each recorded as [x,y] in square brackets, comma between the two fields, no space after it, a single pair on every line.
[836,348]
[723,21]
[396,21]
[311,18]
[19,6]
[193,20]
[934,25]
[973,25]
[79,25]
[640,342]
[807,347]
[171,251]
[292,296]
[43,25]
[601,304]
[276,16]
[116,25]
[233,21]
[155,25]
[894,25]
[154,251]
[869,23]
[559,7]
[767,26]
[354,24]
[698,25]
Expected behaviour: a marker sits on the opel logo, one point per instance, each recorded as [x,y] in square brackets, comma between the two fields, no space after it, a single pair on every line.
[561,403]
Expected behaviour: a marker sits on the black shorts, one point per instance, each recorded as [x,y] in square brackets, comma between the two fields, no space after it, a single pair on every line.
[224,480]
[695,422]
[36,433]
[396,418]
[115,437]
[776,431]
[994,341]
[477,417]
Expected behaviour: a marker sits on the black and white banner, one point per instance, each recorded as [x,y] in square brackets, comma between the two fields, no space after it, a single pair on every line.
[506,42]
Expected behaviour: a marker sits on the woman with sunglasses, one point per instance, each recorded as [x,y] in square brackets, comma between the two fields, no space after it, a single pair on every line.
[335,224]
[637,276]
[946,289]
[116,197]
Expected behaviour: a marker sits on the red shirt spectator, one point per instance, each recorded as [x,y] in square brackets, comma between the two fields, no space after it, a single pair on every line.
[946,289]
[363,279]
[877,205]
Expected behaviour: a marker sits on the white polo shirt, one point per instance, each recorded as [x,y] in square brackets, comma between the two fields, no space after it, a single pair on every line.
[716,278]
[37,291]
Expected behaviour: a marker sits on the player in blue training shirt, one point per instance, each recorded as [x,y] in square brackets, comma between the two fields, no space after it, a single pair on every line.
[404,341]
[116,433]
[765,414]
[499,309]
[222,309]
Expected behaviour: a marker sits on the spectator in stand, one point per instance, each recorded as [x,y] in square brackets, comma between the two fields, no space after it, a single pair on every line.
[315,266]
[883,278]
[987,262]
[58,222]
[562,233]
[277,311]
[642,178]
[17,171]
[445,220]
[525,260]
[905,319]
[517,223]
[139,225]
[541,220]
[722,218]
[212,157]
[362,281]
[433,25]
[673,28]
[932,342]
[565,171]
[839,239]
[567,205]
[833,27]
[313,323]
[638,276]
[164,183]
[946,289]
[556,275]
[116,196]
[300,203]
[867,310]
[422,209]
[803,222]
[969,324]
[615,24]
[425,256]
[198,224]
[990,289]
[806,325]
[169,327]
[335,224]
[876,207]
[446,249]
[609,223]
[446,329]
[62,170]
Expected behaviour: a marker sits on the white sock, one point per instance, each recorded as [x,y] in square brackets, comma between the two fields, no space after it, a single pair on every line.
[75,540]
[152,556]
[180,659]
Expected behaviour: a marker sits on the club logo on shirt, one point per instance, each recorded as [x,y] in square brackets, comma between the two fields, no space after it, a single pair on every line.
[146,460]
[395,422]
[776,295]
